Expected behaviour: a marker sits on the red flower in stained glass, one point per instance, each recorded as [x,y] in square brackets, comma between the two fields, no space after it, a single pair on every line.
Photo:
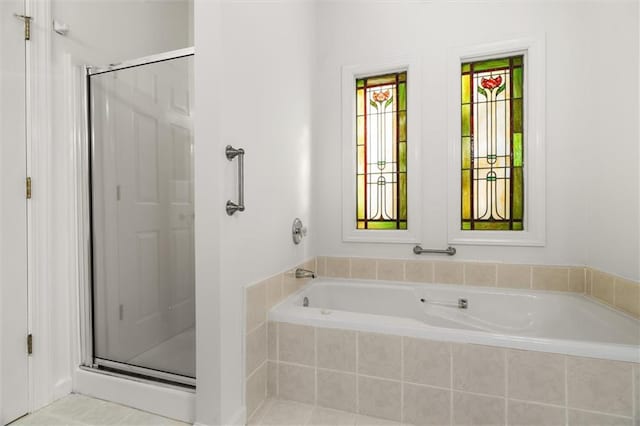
[381,96]
[491,83]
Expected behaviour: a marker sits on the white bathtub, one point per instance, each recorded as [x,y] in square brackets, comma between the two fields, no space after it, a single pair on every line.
[555,322]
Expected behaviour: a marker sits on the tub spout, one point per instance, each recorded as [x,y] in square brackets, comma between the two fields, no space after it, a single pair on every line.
[304,273]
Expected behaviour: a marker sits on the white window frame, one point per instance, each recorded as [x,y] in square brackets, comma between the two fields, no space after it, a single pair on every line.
[350,233]
[533,234]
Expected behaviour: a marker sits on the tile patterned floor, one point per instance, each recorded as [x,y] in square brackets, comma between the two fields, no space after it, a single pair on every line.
[280,413]
[79,410]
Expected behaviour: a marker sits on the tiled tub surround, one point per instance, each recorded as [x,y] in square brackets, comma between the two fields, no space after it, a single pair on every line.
[419,381]
[259,298]
[615,291]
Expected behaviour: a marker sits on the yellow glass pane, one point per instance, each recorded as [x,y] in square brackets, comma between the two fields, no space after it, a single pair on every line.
[360,102]
[466,89]
[360,130]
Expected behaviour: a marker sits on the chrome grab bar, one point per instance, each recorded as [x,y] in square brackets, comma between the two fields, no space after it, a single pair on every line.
[419,250]
[232,153]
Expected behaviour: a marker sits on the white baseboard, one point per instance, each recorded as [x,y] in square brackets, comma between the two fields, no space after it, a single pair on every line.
[157,399]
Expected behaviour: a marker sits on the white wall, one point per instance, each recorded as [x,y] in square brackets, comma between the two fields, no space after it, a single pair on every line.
[266,93]
[101,32]
[582,116]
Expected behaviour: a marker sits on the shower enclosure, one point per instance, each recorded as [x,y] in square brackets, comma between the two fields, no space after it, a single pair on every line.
[142,218]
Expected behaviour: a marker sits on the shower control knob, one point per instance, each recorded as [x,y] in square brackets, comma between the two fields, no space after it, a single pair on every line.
[298,230]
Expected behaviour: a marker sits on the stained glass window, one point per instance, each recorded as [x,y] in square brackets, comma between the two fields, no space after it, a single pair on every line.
[381,144]
[492,144]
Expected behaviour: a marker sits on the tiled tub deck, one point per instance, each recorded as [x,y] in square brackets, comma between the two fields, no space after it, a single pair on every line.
[418,381]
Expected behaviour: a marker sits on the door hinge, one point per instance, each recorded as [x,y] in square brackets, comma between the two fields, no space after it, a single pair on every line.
[27,25]
[30,344]
[28,187]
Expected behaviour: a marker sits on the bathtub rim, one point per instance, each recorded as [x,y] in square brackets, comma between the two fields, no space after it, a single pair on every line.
[288,312]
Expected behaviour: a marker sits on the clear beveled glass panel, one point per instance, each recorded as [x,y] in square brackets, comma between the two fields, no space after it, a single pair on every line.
[143,216]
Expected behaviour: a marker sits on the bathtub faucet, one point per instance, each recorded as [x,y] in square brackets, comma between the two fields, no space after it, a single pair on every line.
[304,273]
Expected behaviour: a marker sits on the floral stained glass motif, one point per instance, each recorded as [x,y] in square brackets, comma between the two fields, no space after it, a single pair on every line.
[381,144]
[492,144]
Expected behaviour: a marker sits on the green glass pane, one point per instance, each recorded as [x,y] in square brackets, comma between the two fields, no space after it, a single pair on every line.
[490,64]
[360,82]
[402,122]
[517,82]
[466,226]
[466,88]
[466,152]
[517,226]
[516,108]
[403,225]
[466,120]
[402,147]
[491,226]
[402,96]
[518,193]
[466,67]
[517,60]
[402,76]
[466,194]
[360,191]
[382,225]
[403,196]
[517,149]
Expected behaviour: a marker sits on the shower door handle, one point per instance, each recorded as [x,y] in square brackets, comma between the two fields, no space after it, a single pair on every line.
[232,153]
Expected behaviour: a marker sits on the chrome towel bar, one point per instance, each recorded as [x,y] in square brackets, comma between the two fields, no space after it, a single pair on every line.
[232,153]
[419,250]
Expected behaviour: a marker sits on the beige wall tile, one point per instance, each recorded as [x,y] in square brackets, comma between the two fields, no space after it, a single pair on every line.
[337,267]
[469,409]
[256,305]
[272,340]
[423,405]
[274,290]
[482,274]
[325,417]
[391,270]
[419,271]
[374,421]
[536,376]
[336,349]
[379,355]
[589,276]
[627,296]
[363,268]
[256,348]
[310,265]
[600,385]
[256,389]
[291,284]
[296,343]
[448,272]
[337,390]
[478,369]
[379,398]
[283,413]
[257,415]
[602,286]
[297,383]
[527,414]
[577,280]
[553,278]
[427,362]
[514,276]
[585,418]
[272,379]
[321,264]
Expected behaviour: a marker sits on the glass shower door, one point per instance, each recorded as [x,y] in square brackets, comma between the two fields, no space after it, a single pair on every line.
[142,218]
